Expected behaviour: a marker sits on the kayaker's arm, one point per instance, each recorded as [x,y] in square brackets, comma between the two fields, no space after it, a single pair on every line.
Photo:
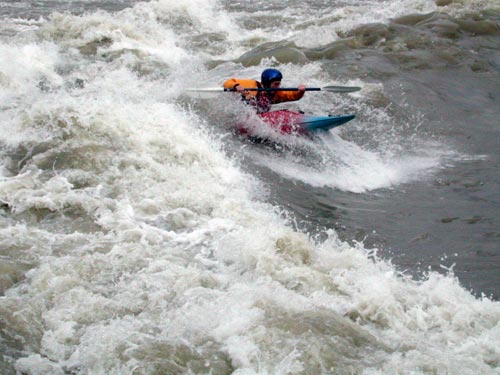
[231,83]
[290,96]
[240,85]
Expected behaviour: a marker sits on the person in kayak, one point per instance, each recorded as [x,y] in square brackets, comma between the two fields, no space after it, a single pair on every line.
[263,100]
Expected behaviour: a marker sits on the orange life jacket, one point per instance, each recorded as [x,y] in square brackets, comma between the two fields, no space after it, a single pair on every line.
[262,99]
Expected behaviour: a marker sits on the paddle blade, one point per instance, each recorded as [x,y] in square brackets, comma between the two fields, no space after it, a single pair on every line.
[208,89]
[341,89]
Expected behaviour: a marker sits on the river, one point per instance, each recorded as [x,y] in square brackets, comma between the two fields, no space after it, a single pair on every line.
[140,234]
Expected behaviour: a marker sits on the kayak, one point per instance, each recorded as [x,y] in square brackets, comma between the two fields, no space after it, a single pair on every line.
[290,122]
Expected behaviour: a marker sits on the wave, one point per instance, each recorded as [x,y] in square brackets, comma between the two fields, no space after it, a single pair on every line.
[135,240]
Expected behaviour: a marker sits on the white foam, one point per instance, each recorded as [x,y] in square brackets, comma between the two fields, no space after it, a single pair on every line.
[344,165]
[151,251]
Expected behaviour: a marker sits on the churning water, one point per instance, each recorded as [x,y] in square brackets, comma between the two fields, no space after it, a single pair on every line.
[140,235]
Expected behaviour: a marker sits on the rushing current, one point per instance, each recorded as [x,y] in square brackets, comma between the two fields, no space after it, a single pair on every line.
[140,234]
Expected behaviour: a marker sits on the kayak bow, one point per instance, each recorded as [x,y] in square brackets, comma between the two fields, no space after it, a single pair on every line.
[290,122]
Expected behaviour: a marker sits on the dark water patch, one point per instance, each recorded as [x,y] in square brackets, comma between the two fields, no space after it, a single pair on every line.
[416,42]
[262,22]
[474,220]
[457,211]
[67,220]
[74,171]
[413,42]
[68,217]
[370,35]
[215,43]
[328,339]
[83,157]
[6,367]
[12,272]
[440,24]
[449,219]
[162,357]
[52,157]
[479,27]
[411,19]
[91,48]
[445,25]
[282,52]
[17,159]
[336,49]
[35,9]
[481,253]
[418,60]
[452,87]
[20,329]
[442,3]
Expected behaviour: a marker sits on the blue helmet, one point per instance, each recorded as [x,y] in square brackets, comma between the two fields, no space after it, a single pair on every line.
[270,75]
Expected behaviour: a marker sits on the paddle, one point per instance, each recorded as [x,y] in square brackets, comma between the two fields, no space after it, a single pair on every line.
[337,89]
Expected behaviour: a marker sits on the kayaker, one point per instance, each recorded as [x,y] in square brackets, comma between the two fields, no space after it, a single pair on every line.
[262,100]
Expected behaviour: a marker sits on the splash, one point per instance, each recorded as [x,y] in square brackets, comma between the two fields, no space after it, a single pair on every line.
[133,242]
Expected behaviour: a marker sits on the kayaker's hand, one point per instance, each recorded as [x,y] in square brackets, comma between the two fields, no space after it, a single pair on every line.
[240,89]
[301,88]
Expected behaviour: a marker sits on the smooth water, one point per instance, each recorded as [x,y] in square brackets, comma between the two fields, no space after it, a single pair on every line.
[140,235]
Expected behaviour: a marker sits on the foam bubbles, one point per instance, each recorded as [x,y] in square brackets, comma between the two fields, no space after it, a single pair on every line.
[146,248]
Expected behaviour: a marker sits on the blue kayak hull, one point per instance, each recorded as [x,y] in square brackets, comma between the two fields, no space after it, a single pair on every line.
[314,123]
[289,122]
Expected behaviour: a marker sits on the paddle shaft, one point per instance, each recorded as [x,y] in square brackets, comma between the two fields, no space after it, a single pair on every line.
[277,89]
[336,89]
